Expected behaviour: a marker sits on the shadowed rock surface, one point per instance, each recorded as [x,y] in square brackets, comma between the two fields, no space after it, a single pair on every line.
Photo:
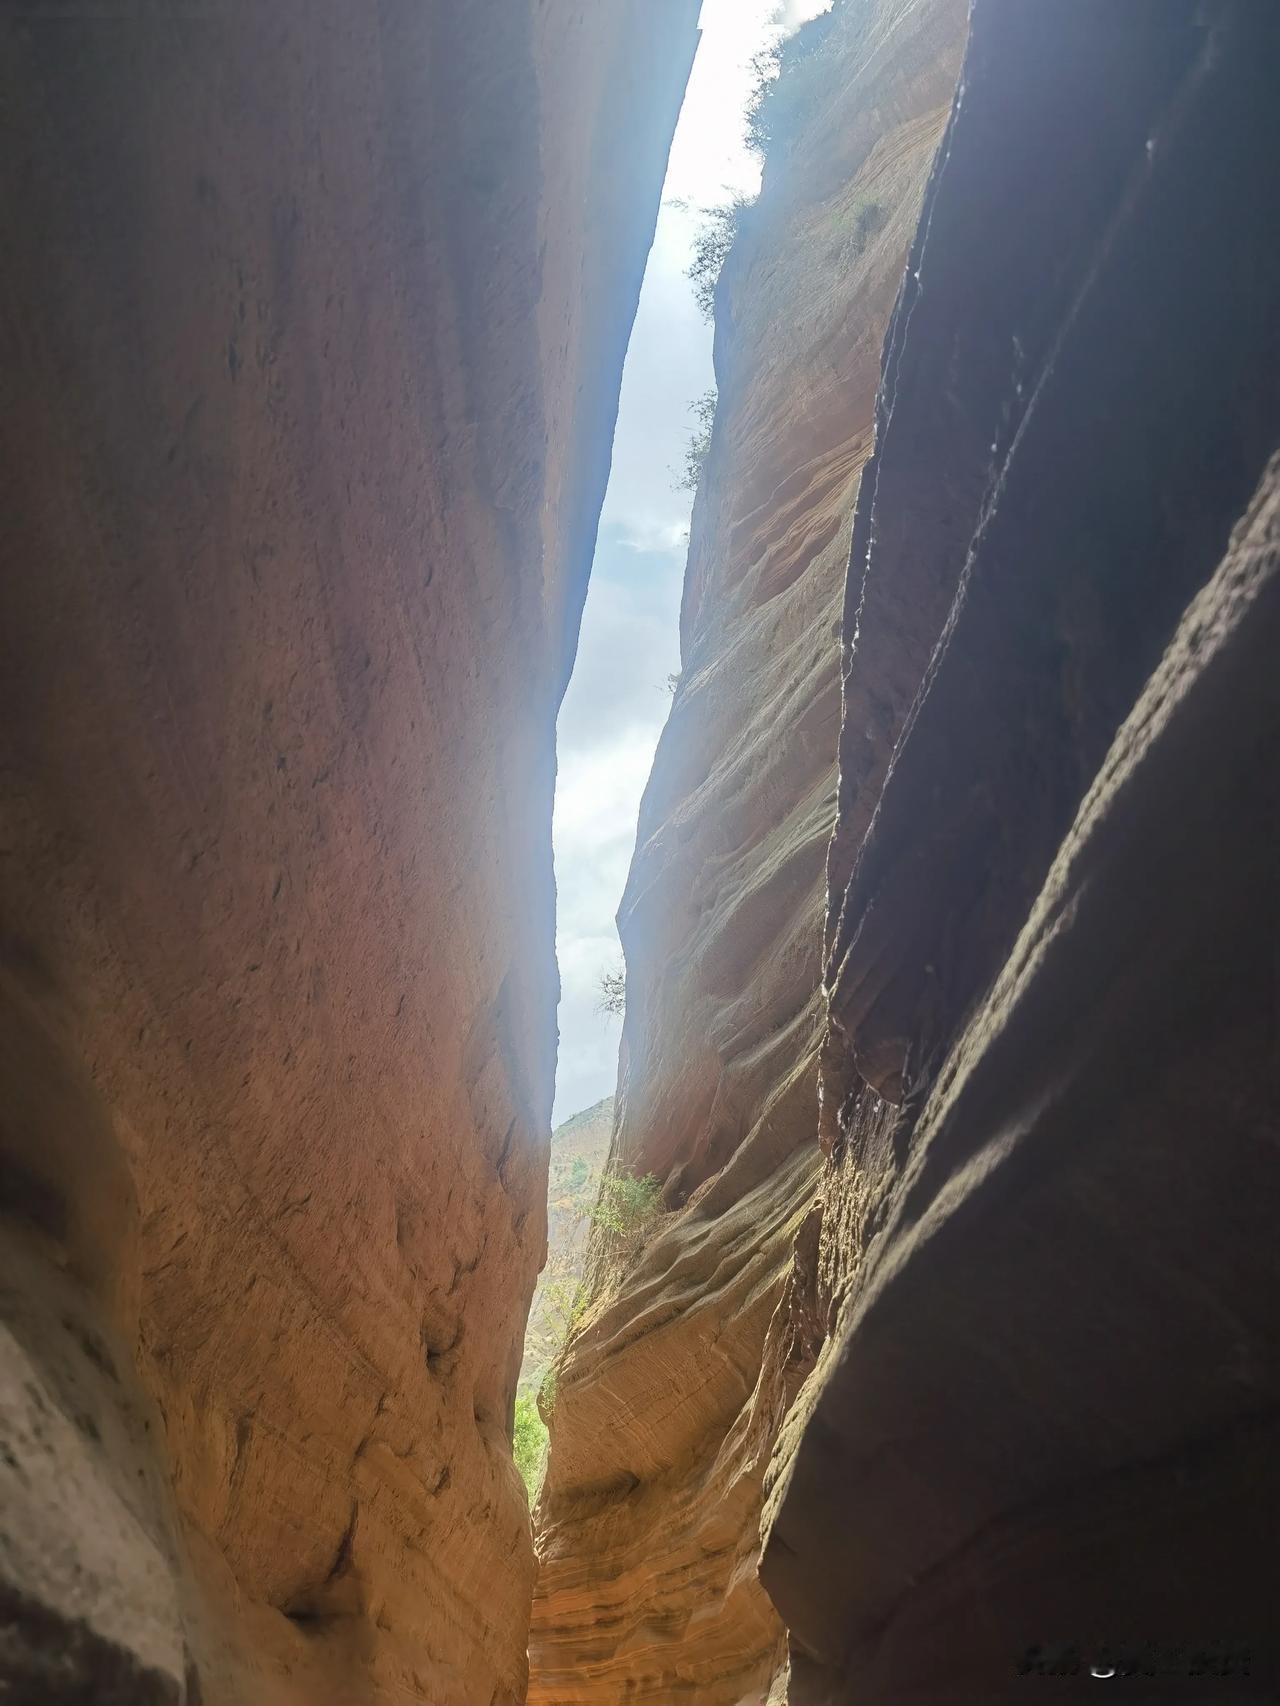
[1045,1421]
[667,1405]
[313,326]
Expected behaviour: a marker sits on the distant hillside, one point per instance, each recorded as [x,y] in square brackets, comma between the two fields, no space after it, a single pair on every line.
[584,1133]
[579,1149]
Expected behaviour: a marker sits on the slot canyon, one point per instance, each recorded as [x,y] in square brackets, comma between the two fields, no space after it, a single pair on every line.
[944,1363]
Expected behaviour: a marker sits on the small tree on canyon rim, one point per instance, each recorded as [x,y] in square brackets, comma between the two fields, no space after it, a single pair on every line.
[703,410]
[613,993]
[711,244]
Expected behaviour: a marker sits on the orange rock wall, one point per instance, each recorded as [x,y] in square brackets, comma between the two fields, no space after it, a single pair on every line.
[675,1385]
[313,324]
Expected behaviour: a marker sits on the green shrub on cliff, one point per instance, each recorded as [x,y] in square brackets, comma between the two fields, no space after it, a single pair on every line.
[626,1204]
[529,1444]
[711,244]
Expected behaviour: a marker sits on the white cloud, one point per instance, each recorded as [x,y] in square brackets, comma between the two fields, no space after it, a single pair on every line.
[597,798]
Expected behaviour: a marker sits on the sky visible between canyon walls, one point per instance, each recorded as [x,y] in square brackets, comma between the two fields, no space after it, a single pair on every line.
[618,698]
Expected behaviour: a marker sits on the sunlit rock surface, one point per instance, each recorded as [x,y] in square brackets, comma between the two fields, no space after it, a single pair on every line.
[1042,1436]
[313,326]
[668,1404]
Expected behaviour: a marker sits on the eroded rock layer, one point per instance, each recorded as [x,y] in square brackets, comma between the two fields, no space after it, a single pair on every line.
[668,1402]
[313,325]
[1043,1434]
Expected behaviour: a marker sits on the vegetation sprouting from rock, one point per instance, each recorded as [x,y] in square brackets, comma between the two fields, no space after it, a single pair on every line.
[788,80]
[689,476]
[626,1205]
[529,1443]
[620,1209]
[851,227]
[711,244]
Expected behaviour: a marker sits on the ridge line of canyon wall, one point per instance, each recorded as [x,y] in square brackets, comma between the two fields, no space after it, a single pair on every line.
[1025,1280]
[672,1389]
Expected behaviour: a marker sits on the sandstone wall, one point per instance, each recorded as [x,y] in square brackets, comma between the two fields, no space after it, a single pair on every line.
[668,1402]
[312,329]
[1044,1427]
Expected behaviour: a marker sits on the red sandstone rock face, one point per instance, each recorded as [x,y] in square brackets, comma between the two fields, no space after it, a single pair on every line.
[313,329]
[1045,1423]
[668,1404]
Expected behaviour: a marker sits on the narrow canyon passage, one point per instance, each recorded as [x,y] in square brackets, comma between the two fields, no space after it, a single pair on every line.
[947,1046]
[921,1337]
[626,670]
[677,1375]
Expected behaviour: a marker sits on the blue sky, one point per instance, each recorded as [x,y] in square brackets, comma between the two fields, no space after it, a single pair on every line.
[618,700]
